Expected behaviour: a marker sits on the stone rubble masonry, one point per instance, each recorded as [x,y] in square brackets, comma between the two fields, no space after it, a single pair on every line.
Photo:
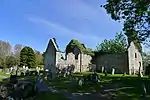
[70,60]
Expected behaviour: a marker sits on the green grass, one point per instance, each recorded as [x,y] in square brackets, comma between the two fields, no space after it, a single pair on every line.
[4,74]
[110,81]
[50,96]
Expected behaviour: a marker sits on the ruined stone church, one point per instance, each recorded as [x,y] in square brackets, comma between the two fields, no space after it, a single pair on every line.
[53,58]
[129,62]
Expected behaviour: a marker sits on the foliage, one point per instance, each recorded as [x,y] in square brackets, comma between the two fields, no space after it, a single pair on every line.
[1,62]
[146,61]
[73,43]
[5,49]
[17,49]
[117,45]
[10,61]
[27,57]
[146,58]
[89,51]
[39,58]
[135,15]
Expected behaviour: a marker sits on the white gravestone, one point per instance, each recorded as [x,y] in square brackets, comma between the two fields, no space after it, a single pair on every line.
[11,69]
[37,69]
[102,69]
[24,67]
[113,71]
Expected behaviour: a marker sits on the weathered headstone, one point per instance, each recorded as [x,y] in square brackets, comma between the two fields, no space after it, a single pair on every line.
[80,83]
[95,77]
[124,73]
[73,81]
[22,74]
[113,71]
[24,67]
[27,73]
[65,74]
[141,74]
[13,79]
[27,68]
[102,69]
[144,90]
[105,72]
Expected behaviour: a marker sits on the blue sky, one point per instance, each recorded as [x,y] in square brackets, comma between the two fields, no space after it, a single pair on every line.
[34,22]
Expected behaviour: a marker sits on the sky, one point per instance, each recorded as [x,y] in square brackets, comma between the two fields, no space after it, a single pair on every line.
[34,22]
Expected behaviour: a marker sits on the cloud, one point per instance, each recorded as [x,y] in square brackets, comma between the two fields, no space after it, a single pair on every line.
[58,30]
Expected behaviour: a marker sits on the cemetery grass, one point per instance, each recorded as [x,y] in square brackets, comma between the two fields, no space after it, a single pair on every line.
[50,96]
[125,87]
[4,74]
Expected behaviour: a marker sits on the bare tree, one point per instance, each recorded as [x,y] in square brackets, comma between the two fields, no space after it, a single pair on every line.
[17,48]
[5,49]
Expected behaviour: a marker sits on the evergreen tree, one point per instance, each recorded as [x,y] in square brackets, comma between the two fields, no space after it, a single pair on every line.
[27,57]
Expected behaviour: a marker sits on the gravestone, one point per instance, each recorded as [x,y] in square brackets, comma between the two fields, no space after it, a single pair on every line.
[50,75]
[80,83]
[95,77]
[113,71]
[141,74]
[144,92]
[74,83]
[36,73]
[105,72]
[65,74]
[27,73]
[124,73]
[102,69]
[13,79]
[85,79]
[22,74]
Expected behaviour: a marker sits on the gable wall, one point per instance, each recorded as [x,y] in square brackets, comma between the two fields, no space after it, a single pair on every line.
[50,56]
[134,64]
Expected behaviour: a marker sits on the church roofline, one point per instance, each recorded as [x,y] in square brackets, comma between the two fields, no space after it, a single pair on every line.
[55,44]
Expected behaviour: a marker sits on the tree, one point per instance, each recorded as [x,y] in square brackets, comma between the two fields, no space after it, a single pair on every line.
[1,62]
[73,43]
[146,61]
[39,58]
[10,61]
[27,57]
[17,49]
[5,49]
[136,17]
[117,45]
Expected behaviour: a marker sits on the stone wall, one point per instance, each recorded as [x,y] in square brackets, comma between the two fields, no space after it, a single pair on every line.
[86,61]
[76,62]
[109,61]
